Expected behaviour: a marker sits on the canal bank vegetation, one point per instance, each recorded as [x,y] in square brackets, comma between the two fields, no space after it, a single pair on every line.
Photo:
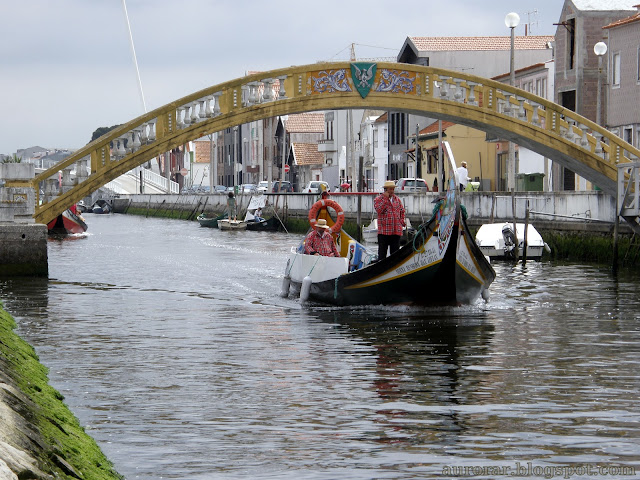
[593,247]
[39,436]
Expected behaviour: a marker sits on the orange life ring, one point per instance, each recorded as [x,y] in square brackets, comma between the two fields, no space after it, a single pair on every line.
[320,204]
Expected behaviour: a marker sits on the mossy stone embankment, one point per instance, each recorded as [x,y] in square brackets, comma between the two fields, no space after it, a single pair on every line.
[39,437]
[590,247]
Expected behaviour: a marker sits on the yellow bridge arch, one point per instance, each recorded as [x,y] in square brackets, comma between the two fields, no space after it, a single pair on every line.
[509,113]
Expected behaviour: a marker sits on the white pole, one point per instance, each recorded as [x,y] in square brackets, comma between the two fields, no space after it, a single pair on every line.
[133,51]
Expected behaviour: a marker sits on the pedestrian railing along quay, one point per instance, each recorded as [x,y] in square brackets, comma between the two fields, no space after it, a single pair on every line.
[507,112]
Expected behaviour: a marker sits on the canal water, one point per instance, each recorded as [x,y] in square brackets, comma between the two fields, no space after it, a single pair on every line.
[170,343]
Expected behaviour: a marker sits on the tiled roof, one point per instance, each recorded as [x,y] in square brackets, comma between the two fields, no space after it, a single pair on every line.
[312,122]
[624,21]
[605,5]
[433,128]
[307,154]
[382,118]
[518,71]
[442,44]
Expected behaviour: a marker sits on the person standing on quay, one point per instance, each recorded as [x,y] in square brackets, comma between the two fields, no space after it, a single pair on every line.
[463,176]
[391,219]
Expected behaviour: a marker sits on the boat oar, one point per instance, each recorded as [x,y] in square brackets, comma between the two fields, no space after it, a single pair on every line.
[275,211]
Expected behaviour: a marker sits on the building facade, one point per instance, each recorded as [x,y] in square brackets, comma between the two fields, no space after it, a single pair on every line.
[577,70]
[482,56]
[622,114]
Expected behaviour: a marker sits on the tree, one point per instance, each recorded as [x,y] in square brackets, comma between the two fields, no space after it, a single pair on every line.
[101,131]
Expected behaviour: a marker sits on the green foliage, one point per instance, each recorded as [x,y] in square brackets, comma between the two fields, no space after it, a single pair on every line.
[13,159]
[588,247]
[101,131]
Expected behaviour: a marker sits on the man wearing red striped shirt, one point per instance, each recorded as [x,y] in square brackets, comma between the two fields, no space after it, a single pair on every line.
[319,241]
[391,219]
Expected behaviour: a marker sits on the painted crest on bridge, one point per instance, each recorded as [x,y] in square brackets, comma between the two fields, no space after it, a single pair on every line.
[363,74]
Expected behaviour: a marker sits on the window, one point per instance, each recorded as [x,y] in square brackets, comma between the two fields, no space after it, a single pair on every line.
[627,135]
[541,87]
[375,138]
[615,71]
[638,66]
[329,126]
[571,43]
[386,138]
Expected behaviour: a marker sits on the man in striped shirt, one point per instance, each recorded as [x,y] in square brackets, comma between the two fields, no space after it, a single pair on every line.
[319,241]
[391,219]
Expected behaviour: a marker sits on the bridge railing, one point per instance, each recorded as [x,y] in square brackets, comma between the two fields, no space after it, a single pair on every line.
[434,92]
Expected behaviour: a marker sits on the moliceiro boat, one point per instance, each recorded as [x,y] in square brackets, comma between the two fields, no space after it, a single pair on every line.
[441,265]
[69,222]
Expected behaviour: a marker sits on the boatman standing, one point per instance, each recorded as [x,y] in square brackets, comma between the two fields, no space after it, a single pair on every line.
[391,219]
[319,241]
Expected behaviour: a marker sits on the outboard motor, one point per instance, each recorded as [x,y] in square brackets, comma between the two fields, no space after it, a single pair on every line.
[509,241]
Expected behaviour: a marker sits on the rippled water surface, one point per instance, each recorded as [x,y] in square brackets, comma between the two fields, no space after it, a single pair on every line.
[173,348]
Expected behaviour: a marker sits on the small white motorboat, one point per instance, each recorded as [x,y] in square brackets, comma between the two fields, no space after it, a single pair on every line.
[227,224]
[497,241]
[370,232]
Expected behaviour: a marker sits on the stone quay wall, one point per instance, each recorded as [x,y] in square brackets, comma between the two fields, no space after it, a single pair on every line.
[561,211]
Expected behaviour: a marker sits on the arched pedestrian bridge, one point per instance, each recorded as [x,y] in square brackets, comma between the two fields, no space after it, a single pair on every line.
[507,112]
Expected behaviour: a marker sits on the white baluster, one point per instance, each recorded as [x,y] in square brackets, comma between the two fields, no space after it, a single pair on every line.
[507,105]
[143,133]
[194,114]
[267,95]
[179,121]
[584,141]
[152,130]
[569,134]
[458,94]
[216,104]
[282,93]
[598,136]
[444,88]
[121,150]
[203,108]
[535,119]
[472,94]
[523,112]
[136,140]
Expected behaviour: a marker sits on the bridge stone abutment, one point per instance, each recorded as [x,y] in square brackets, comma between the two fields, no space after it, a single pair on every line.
[23,243]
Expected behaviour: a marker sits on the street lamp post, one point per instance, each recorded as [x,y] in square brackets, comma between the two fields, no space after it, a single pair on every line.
[511,21]
[599,49]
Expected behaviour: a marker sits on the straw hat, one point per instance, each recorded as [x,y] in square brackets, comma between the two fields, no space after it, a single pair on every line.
[389,184]
[322,223]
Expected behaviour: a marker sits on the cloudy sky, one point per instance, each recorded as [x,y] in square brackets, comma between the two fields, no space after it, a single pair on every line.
[66,66]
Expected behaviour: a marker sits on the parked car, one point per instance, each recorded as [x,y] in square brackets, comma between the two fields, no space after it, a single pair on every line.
[263,186]
[247,188]
[315,186]
[219,189]
[286,187]
[411,185]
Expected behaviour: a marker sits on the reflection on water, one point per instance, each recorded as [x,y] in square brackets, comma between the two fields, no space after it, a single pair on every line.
[170,343]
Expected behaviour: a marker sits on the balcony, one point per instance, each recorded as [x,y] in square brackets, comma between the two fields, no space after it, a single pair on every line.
[326,146]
